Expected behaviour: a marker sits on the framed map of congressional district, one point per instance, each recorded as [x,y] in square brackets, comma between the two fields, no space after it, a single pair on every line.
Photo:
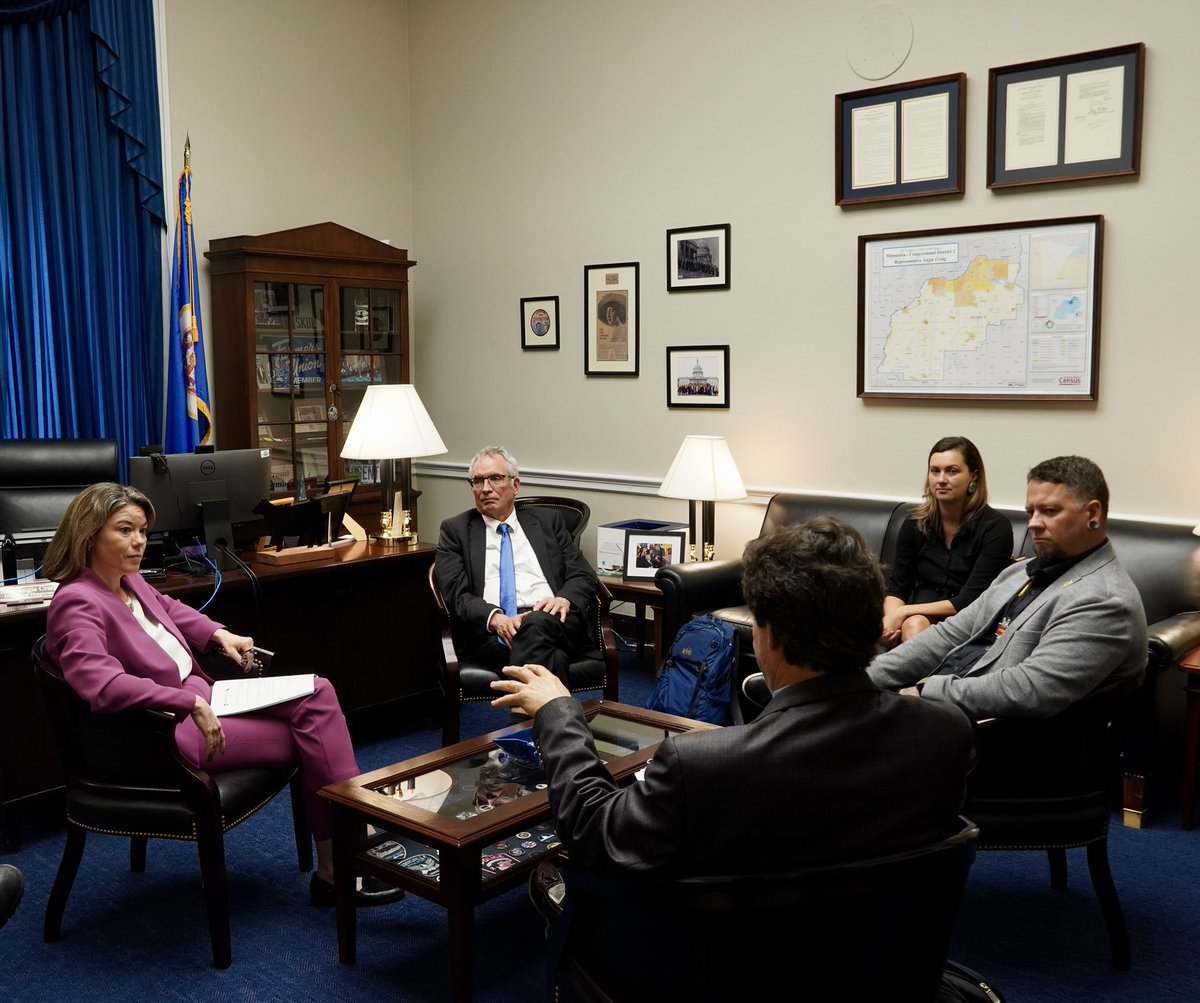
[1000,312]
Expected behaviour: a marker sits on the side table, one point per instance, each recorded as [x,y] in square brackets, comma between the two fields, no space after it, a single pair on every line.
[642,592]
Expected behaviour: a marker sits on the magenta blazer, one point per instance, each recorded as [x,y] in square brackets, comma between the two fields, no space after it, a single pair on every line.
[106,656]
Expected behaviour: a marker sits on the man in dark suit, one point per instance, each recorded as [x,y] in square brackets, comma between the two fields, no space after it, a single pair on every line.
[832,770]
[553,582]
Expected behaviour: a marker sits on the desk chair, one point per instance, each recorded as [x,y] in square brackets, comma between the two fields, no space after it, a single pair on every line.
[126,777]
[1051,784]
[877,928]
[40,477]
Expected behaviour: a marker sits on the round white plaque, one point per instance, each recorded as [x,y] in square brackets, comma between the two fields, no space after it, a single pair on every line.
[880,41]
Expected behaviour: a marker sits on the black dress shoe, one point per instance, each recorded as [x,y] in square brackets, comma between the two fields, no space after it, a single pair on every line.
[12,887]
[373,892]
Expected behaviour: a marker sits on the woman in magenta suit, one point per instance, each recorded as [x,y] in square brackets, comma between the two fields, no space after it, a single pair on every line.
[121,645]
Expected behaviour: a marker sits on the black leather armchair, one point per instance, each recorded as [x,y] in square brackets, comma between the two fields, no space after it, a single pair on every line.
[1049,784]
[126,777]
[872,928]
[40,477]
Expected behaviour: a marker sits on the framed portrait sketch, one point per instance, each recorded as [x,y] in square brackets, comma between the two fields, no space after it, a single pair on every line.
[539,323]
[1007,311]
[610,319]
[645,553]
[698,258]
[698,376]
[1074,118]
[900,142]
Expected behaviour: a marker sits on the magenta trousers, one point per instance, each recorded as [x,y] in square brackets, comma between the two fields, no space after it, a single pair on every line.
[310,733]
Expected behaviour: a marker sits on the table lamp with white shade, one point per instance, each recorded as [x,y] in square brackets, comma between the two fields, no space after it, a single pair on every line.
[392,424]
[704,473]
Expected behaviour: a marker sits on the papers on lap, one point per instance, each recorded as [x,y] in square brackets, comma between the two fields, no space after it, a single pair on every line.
[240,696]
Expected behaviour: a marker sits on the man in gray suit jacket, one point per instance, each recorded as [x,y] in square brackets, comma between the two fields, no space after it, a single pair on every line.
[832,770]
[1047,632]
[554,583]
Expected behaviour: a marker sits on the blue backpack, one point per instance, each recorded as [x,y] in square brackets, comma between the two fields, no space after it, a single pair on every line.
[695,680]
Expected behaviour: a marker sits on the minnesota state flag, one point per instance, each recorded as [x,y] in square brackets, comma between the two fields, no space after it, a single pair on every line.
[189,417]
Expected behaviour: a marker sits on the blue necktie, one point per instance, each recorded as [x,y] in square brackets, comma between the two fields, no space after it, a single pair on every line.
[508,572]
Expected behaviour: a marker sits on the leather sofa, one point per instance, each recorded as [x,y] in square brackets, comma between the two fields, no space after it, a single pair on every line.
[39,477]
[1162,560]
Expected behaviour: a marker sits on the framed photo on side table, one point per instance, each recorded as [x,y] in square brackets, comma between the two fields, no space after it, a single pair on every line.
[900,142]
[698,376]
[539,323]
[645,553]
[610,319]
[698,258]
[1009,311]
[1074,118]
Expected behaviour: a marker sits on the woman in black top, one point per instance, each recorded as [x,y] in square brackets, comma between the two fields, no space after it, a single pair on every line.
[950,548]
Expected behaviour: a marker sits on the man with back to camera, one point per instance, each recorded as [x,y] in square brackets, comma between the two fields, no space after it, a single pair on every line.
[1046,632]
[541,619]
[842,769]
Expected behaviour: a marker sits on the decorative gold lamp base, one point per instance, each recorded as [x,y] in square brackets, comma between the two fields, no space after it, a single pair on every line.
[388,537]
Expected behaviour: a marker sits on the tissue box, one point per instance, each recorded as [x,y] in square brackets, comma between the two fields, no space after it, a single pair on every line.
[610,540]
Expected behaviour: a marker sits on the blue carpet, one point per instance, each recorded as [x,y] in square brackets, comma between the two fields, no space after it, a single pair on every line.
[143,937]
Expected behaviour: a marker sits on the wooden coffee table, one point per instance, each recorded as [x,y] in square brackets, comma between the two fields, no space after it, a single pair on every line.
[463,824]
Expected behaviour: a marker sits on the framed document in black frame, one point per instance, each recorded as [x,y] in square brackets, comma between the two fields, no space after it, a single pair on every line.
[1073,118]
[900,142]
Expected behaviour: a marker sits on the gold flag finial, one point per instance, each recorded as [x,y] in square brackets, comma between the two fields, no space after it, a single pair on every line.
[187,150]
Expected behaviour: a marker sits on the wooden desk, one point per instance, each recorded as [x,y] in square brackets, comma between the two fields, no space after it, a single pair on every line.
[362,618]
[483,832]
[642,592]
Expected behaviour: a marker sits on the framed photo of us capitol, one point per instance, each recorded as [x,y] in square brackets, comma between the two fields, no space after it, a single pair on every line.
[1008,311]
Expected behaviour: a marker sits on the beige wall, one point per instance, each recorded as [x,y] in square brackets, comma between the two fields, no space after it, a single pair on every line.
[298,113]
[550,134]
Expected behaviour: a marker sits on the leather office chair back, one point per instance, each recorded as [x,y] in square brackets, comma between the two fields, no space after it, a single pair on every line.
[871,929]
[575,513]
[40,477]
[126,777]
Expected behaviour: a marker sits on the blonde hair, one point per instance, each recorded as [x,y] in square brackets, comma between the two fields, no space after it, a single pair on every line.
[85,517]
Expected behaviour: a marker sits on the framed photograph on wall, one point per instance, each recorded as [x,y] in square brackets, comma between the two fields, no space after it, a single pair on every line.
[610,319]
[698,376]
[539,323]
[698,258]
[1074,118]
[645,553]
[900,142]
[1009,311]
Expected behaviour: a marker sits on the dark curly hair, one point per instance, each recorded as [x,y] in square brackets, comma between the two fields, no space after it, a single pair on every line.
[819,587]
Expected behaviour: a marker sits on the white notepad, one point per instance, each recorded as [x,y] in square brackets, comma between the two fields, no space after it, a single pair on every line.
[239,696]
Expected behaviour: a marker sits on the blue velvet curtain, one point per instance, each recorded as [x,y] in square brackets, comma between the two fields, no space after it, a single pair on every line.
[81,222]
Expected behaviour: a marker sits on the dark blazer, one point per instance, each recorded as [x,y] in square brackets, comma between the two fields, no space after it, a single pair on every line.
[461,575]
[832,770]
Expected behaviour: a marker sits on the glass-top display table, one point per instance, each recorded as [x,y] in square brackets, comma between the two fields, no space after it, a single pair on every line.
[463,824]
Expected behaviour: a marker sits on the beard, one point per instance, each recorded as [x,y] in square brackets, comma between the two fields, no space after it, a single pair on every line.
[1047,550]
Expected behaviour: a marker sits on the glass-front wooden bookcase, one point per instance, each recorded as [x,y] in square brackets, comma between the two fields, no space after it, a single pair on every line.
[303,321]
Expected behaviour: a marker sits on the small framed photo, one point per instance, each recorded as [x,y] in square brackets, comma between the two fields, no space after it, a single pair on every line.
[611,319]
[900,142]
[310,417]
[1073,118]
[645,553]
[698,376]
[539,323]
[698,258]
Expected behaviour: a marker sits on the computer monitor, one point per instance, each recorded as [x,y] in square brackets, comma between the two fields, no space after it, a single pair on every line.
[206,494]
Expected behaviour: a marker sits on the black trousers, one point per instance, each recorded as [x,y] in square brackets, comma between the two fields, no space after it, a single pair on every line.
[542,640]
